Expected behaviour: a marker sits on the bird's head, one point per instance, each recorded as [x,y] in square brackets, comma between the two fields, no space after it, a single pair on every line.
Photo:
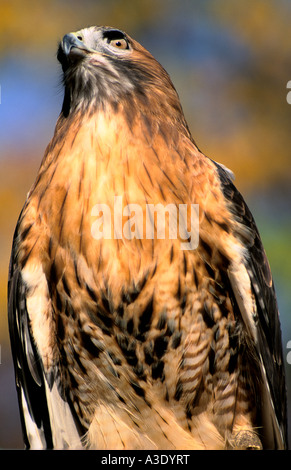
[104,66]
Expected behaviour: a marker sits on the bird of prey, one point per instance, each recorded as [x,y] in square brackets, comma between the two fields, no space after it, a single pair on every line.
[123,339]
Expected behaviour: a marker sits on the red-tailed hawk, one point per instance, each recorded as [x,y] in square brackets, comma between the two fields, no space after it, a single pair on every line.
[129,332]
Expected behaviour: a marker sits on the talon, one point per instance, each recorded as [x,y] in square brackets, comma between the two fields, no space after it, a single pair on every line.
[246,440]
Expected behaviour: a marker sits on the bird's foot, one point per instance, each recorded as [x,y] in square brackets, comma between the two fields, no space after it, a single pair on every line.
[244,440]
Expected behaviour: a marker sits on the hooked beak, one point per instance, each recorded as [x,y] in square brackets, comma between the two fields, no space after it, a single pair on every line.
[71,49]
[72,46]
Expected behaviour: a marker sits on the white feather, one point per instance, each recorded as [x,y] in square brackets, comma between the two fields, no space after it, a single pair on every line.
[241,285]
[64,432]
[34,434]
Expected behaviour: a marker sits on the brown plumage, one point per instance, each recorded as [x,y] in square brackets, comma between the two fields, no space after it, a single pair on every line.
[131,342]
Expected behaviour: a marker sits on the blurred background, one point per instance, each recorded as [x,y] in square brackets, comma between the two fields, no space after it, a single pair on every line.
[230,62]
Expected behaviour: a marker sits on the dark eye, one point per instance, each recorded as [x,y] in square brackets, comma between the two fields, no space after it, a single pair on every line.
[116,39]
[119,43]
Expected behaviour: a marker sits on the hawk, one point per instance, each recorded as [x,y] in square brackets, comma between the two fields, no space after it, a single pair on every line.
[123,339]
